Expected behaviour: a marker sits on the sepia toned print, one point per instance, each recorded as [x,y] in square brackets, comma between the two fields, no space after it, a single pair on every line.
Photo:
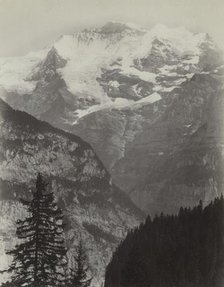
[111,143]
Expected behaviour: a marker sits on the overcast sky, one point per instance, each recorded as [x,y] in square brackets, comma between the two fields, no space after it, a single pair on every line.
[27,25]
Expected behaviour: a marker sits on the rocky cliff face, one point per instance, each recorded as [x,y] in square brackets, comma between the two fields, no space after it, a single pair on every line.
[190,168]
[142,141]
[94,208]
[136,96]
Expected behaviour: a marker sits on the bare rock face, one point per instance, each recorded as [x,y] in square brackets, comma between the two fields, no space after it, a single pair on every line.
[137,97]
[147,148]
[94,208]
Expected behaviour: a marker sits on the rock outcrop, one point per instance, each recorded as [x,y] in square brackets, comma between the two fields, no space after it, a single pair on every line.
[95,209]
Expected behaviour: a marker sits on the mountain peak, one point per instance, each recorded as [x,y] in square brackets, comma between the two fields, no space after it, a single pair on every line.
[48,67]
[181,39]
[119,27]
[54,59]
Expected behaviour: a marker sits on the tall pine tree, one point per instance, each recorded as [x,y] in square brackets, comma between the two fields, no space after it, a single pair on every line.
[39,260]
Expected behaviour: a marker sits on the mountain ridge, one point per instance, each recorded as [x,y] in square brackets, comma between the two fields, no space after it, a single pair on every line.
[94,208]
[134,95]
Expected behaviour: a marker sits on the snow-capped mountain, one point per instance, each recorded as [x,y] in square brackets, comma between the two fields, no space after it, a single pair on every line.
[94,208]
[116,65]
[135,95]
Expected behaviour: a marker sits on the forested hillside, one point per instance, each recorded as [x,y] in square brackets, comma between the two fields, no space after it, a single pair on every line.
[186,250]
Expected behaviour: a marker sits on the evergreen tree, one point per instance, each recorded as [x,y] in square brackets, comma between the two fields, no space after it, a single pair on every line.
[184,250]
[39,260]
[79,272]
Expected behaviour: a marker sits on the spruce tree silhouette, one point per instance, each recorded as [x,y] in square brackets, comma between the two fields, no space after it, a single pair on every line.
[39,260]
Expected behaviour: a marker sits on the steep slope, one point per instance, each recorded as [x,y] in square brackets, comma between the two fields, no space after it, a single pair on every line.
[173,250]
[142,141]
[114,65]
[94,208]
[135,95]
[184,153]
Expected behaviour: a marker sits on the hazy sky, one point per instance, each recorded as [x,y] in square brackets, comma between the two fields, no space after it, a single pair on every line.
[27,25]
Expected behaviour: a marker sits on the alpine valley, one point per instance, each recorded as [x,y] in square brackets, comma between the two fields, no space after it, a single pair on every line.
[112,109]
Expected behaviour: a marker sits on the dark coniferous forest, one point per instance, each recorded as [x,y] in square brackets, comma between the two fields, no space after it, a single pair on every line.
[173,251]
